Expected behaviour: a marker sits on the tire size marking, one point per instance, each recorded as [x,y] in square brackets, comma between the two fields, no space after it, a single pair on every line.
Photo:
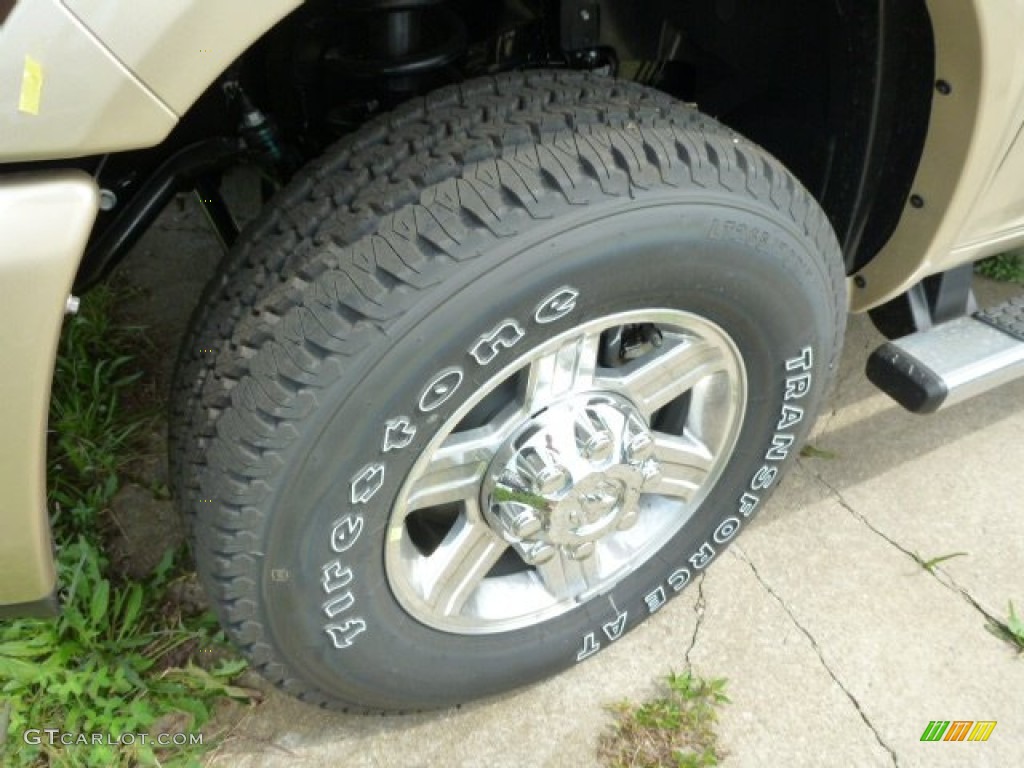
[797,387]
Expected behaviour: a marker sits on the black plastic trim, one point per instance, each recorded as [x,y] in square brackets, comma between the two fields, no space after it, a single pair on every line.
[906,379]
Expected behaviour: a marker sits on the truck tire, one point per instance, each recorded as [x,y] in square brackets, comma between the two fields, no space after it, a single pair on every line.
[492,382]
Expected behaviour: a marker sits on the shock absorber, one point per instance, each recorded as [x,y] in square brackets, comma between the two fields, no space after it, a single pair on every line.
[397,42]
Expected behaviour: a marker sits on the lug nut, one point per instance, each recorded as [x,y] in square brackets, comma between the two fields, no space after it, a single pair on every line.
[593,438]
[520,520]
[551,480]
[537,553]
[598,448]
[641,447]
[582,551]
[545,475]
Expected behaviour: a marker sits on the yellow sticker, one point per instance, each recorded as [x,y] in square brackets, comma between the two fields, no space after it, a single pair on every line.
[31,87]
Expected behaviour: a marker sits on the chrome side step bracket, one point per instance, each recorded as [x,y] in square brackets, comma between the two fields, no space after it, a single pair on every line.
[953,361]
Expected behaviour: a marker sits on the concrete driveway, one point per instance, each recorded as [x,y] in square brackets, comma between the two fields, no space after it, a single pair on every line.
[839,647]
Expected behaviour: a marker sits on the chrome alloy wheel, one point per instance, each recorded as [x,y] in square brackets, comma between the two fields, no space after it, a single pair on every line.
[565,472]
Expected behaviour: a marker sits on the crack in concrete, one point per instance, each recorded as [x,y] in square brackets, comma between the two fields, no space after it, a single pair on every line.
[937,573]
[740,554]
[698,610]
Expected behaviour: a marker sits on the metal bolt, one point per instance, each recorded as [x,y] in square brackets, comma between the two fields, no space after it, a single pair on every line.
[943,87]
[538,553]
[641,447]
[551,480]
[108,200]
[598,448]
[593,438]
[917,201]
[72,305]
[519,520]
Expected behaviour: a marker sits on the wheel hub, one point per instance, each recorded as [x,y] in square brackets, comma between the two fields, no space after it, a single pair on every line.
[569,476]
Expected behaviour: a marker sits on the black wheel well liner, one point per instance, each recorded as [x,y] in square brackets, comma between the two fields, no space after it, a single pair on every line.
[839,91]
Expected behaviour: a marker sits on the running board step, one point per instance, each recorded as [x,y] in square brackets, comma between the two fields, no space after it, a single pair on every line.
[952,361]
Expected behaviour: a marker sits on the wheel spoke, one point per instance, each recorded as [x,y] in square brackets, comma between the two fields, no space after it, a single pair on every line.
[455,569]
[565,578]
[663,375]
[685,463]
[566,369]
[454,471]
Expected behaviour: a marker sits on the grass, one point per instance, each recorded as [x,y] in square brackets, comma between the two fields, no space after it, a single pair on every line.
[930,564]
[1012,630]
[122,658]
[674,730]
[1006,267]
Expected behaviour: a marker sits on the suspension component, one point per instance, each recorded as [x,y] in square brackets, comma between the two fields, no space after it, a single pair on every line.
[398,39]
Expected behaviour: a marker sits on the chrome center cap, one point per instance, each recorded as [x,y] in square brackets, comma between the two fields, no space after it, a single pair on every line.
[569,476]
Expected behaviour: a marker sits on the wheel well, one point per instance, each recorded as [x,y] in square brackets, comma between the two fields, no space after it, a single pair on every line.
[840,91]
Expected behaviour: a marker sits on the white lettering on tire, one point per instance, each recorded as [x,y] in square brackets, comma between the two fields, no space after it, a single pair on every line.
[613,629]
[679,578]
[556,306]
[343,634]
[655,599]
[702,556]
[365,485]
[398,433]
[505,336]
[335,576]
[440,389]
[590,646]
[726,530]
[796,387]
[339,604]
[346,532]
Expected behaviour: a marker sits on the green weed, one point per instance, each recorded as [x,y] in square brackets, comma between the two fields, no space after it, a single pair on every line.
[117,661]
[675,730]
[929,565]
[1012,630]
